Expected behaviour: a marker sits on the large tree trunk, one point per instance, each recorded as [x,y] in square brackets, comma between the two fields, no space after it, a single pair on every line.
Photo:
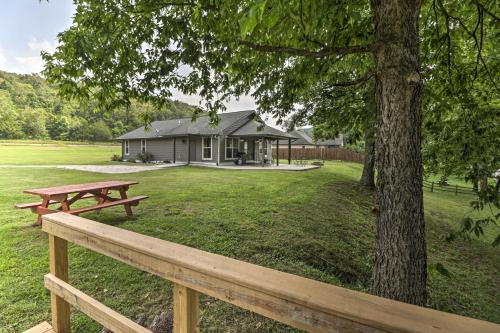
[368,175]
[399,270]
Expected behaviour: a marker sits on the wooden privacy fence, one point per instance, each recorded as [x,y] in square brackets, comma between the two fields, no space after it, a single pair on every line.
[320,154]
[299,302]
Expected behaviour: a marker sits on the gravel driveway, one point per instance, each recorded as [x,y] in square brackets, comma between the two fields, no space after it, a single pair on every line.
[115,169]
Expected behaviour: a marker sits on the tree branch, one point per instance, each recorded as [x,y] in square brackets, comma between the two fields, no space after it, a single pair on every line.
[472,34]
[323,52]
[327,92]
[362,79]
[486,10]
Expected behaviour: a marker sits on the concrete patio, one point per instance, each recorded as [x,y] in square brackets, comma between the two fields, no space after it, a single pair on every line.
[282,167]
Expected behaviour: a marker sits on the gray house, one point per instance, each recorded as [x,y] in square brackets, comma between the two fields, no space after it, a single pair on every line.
[238,136]
[305,140]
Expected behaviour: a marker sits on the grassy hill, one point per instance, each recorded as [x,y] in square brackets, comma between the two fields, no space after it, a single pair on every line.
[316,224]
[31,109]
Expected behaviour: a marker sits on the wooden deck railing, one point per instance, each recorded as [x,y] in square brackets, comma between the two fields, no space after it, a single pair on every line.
[299,302]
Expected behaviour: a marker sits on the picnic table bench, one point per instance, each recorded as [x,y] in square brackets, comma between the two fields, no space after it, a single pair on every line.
[66,195]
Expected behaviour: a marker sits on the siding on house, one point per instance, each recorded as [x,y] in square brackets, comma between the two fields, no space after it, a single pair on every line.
[196,151]
[181,149]
[134,149]
[162,149]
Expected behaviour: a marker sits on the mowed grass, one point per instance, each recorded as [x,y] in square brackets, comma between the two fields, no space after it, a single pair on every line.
[54,153]
[316,224]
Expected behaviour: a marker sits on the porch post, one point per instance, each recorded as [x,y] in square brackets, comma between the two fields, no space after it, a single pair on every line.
[174,150]
[263,152]
[189,150]
[277,152]
[289,151]
[218,150]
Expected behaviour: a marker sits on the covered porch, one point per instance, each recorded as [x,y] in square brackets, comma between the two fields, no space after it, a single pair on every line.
[255,144]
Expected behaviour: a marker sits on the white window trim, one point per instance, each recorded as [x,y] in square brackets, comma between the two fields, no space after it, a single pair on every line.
[232,148]
[203,147]
[144,145]
[126,147]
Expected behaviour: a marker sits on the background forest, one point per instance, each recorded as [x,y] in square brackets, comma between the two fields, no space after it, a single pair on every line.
[31,109]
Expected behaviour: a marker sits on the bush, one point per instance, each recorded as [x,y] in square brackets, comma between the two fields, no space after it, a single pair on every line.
[145,157]
[100,132]
[116,158]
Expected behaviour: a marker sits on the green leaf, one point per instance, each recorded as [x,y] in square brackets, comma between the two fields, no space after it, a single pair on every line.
[252,17]
[496,242]
[439,268]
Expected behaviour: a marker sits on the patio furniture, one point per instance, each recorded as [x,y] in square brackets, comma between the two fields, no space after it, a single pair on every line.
[99,191]
[300,161]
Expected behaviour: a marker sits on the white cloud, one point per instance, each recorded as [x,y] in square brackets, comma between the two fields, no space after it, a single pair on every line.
[43,45]
[29,61]
[33,64]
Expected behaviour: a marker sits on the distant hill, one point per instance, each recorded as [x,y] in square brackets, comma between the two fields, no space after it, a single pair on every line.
[31,109]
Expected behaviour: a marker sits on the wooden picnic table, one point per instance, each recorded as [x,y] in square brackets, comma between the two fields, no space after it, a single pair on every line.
[67,195]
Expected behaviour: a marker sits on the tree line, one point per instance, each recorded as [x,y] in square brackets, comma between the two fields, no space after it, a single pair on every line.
[30,108]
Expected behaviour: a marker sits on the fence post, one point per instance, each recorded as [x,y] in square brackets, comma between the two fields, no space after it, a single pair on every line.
[432,187]
[58,257]
[186,309]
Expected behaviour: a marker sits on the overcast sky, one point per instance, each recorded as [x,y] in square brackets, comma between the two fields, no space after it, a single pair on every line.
[28,27]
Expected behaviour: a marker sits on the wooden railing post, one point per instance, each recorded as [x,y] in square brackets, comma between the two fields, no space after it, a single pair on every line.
[58,257]
[186,309]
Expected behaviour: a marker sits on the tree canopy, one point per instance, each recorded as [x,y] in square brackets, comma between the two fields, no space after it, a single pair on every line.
[119,51]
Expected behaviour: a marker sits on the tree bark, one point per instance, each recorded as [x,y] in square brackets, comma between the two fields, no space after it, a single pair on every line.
[368,175]
[400,261]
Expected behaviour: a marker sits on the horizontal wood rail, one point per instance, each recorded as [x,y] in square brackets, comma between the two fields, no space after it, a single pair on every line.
[299,302]
[86,304]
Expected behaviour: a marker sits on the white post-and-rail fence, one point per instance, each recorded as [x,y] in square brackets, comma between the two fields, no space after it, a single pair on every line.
[296,301]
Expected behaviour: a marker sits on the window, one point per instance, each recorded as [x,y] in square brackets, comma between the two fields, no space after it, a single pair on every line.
[232,148]
[126,147]
[206,148]
[143,145]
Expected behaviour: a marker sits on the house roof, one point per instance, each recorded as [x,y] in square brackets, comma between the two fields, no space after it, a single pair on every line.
[331,142]
[305,137]
[255,128]
[229,122]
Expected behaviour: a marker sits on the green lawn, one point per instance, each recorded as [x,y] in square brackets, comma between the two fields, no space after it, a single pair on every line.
[55,153]
[315,224]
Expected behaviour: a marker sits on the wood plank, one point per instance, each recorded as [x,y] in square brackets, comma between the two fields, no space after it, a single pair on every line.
[95,310]
[123,196]
[130,201]
[51,202]
[41,328]
[43,211]
[67,189]
[186,309]
[294,300]
[58,261]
